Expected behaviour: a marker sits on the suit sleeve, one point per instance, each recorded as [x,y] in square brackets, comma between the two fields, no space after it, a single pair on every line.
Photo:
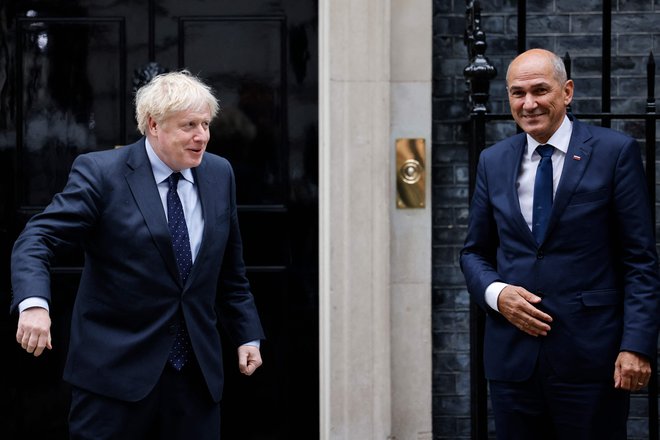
[478,256]
[60,227]
[638,256]
[238,312]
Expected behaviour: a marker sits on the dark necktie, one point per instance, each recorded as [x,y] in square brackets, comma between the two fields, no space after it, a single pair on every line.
[180,351]
[542,192]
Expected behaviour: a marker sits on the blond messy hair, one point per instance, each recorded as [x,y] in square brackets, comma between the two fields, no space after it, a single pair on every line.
[170,93]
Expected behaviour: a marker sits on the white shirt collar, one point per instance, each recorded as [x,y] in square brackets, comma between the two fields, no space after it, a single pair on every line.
[160,169]
[560,138]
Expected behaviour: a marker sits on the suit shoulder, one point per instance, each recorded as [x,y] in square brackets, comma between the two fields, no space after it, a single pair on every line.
[497,149]
[106,162]
[602,137]
[215,160]
[610,134]
[116,153]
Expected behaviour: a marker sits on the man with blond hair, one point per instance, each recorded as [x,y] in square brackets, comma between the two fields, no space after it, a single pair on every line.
[163,268]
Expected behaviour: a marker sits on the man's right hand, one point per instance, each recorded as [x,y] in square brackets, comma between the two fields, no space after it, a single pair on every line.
[34,330]
[517,305]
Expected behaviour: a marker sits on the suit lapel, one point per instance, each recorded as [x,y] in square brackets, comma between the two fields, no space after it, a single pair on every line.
[140,179]
[205,187]
[575,163]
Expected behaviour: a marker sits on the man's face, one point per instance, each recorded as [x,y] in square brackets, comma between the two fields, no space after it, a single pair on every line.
[538,100]
[180,140]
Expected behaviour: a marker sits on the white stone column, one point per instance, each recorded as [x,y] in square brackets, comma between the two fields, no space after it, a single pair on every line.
[410,240]
[354,174]
[375,383]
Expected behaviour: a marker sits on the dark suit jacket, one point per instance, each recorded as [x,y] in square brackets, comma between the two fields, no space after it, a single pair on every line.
[130,296]
[596,269]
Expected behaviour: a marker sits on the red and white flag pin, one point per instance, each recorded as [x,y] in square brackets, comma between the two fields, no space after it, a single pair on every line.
[576,157]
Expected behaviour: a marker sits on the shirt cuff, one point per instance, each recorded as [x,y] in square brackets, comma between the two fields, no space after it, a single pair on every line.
[255,343]
[34,301]
[493,292]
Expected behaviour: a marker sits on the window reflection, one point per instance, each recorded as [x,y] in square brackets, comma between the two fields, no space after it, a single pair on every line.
[70,99]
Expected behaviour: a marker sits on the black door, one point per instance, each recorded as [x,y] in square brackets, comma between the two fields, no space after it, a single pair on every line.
[67,73]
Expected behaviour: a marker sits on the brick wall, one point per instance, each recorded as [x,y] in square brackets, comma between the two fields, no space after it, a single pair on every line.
[559,25]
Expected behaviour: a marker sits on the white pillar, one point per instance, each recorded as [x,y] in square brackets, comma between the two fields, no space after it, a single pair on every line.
[410,239]
[374,299]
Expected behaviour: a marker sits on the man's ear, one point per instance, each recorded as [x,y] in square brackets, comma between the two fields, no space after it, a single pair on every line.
[152,126]
[568,91]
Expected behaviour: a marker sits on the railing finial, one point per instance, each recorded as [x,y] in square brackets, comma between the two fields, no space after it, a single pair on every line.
[650,84]
[479,72]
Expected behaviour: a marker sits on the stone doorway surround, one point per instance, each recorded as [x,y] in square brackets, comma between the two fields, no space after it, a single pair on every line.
[375,260]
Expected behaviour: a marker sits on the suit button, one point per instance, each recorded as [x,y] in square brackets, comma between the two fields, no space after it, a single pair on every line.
[172,329]
[539,255]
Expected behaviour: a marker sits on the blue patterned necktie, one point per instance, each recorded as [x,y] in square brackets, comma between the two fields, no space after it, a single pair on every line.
[542,192]
[180,351]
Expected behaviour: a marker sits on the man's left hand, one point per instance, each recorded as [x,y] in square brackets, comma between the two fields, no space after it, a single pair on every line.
[249,359]
[632,371]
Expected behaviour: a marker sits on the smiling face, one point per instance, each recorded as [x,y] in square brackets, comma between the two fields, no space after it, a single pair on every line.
[181,138]
[537,96]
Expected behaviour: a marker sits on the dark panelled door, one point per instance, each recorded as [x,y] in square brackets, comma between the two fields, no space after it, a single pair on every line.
[67,72]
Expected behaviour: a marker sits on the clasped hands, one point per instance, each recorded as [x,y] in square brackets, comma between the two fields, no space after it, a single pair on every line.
[632,371]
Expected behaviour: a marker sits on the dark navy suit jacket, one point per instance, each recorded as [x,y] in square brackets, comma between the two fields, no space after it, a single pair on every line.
[596,269]
[130,296]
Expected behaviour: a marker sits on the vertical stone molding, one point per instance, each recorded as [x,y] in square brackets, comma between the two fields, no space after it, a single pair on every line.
[354,199]
[410,239]
[375,282]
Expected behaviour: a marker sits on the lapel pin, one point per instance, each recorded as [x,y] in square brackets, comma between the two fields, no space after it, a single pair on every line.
[576,157]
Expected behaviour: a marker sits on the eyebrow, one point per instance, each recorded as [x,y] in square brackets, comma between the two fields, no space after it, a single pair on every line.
[533,86]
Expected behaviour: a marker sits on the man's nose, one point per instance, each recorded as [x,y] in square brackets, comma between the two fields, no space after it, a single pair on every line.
[529,101]
[201,134]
